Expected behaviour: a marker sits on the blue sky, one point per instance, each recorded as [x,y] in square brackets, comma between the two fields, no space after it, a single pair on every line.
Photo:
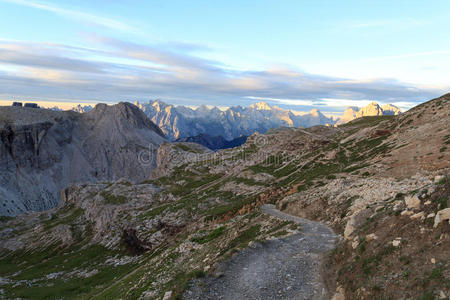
[295,54]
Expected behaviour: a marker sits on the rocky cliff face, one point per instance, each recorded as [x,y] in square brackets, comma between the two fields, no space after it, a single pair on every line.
[43,151]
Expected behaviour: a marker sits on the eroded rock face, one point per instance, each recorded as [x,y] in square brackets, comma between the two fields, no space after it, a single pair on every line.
[43,151]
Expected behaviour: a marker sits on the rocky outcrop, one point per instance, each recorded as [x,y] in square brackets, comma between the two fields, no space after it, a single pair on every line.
[43,151]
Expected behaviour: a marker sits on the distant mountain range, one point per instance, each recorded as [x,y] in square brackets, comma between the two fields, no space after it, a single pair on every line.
[181,121]
[206,125]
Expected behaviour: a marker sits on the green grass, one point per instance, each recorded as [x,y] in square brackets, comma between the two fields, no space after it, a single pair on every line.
[4,219]
[367,121]
[442,202]
[210,236]
[244,238]
[38,263]
[113,199]
[67,215]
[247,181]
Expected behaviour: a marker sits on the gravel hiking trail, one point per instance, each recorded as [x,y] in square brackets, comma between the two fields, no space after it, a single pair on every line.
[286,268]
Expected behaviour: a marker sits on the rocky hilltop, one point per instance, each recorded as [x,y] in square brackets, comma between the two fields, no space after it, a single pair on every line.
[42,151]
[206,222]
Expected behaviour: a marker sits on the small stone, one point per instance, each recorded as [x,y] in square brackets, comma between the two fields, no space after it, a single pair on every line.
[371,237]
[355,244]
[420,215]
[398,205]
[431,215]
[339,295]
[433,261]
[407,212]
[167,295]
[442,295]
[428,202]
[206,268]
[396,242]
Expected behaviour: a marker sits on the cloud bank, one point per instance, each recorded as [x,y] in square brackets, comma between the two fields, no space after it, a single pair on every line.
[128,71]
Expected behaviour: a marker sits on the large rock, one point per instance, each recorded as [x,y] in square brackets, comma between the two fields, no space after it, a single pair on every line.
[442,215]
[412,201]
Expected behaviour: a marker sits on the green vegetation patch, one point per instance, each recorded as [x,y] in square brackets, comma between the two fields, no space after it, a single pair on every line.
[210,236]
[113,199]
[67,215]
[244,238]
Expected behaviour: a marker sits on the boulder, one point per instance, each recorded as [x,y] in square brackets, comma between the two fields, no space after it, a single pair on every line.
[442,215]
[412,202]
[438,178]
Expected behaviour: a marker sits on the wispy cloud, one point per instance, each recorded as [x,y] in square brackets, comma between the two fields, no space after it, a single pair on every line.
[76,15]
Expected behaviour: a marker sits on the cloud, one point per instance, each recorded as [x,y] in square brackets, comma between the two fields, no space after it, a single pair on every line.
[129,71]
[76,15]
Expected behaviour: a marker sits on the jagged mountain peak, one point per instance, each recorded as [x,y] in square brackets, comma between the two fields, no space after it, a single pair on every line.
[126,114]
[315,112]
[260,106]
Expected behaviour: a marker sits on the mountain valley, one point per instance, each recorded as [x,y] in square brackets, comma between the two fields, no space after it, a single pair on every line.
[380,182]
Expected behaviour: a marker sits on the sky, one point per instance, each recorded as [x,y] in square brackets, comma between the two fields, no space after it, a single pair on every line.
[295,54]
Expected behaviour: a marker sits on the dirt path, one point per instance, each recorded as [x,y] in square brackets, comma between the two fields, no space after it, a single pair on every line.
[277,269]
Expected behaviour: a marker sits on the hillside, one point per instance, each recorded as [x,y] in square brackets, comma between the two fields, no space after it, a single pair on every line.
[43,151]
[382,183]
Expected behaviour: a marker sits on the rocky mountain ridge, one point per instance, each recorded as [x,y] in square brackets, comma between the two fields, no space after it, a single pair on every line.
[42,151]
[181,122]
